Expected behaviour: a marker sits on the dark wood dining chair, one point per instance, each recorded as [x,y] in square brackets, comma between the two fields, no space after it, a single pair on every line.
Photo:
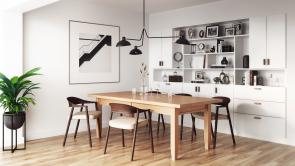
[125,122]
[182,117]
[75,102]
[217,116]
[160,116]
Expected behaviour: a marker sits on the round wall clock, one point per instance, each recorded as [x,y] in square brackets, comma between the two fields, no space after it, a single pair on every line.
[178,56]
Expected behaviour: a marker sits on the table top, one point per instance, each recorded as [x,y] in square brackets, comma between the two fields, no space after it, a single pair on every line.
[155,99]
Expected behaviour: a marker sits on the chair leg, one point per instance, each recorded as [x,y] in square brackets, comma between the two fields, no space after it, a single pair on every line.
[68,126]
[216,124]
[158,125]
[134,137]
[194,132]
[88,127]
[212,132]
[181,127]
[98,128]
[77,126]
[151,133]
[107,140]
[230,125]
[163,122]
[123,141]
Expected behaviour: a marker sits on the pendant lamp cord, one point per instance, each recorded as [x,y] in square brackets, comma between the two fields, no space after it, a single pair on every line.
[143,4]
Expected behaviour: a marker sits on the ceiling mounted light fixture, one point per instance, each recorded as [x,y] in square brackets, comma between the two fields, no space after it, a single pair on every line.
[135,51]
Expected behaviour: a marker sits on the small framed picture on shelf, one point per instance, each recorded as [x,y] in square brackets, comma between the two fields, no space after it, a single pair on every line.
[212,31]
[229,31]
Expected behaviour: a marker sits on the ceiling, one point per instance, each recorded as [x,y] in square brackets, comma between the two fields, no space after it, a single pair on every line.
[152,6]
[5,4]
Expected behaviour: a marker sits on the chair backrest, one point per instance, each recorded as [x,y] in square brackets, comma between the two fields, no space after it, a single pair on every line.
[123,108]
[75,100]
[183,94]
[154,92]
[224,100]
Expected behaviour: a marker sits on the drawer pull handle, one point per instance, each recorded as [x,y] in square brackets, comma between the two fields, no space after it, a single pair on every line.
[257,103]
[257,88]
[167,83]
[256,117]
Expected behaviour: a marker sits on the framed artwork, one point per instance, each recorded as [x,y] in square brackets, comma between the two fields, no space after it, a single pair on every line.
[212,31]
[93,55]
[229,31]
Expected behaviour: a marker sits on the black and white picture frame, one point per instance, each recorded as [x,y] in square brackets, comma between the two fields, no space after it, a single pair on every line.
[93,55]
[212,31]
[229,31]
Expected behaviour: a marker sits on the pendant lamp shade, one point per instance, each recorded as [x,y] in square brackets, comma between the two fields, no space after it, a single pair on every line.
[123,42]
[135,51]
[182,40]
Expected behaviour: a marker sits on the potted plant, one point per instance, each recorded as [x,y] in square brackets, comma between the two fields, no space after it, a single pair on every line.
[15,96]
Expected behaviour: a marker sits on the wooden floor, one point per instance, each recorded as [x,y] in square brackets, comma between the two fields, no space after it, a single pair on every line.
[77,152]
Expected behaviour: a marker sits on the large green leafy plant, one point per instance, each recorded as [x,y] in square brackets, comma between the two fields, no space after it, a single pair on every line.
[17,92]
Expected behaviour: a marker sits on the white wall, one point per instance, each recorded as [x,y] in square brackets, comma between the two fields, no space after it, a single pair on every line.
[237,9]
[46,44]
[11,32]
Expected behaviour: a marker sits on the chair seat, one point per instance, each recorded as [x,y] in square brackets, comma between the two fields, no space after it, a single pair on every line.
[200,115]
[82,115]
[128,123]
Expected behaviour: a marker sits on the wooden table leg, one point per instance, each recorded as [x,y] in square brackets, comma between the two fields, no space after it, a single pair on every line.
[207,127]
[174,135]
[99,122]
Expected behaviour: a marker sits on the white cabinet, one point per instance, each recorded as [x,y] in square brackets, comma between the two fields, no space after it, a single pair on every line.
[161,49]
[267,41]
[263,108]
[169,87]
[257,41]
[259,112]
[276,41]
[199,90]
[260,127]
[260,93]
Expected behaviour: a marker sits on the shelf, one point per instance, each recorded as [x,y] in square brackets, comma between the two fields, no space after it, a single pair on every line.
[242,69]
[221,53]
[239,85]
[196,54]
[168,68]
[231,84]
[210,69]
[219,37]
[217,53]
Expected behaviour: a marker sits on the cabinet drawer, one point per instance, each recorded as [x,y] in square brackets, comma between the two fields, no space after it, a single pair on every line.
[260,93]
[263,108]
[260,127]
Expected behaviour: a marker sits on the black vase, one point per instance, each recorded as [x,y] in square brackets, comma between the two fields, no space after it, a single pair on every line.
[224,61]
[246,61]
[14,121]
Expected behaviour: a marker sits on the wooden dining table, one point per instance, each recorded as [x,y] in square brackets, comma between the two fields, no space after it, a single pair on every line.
[172,106]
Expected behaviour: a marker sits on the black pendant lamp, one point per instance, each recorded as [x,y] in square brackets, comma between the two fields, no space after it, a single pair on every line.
[182,40]
[135,51]
[123,42]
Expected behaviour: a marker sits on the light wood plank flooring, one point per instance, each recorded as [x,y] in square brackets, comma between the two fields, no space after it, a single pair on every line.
[77,152]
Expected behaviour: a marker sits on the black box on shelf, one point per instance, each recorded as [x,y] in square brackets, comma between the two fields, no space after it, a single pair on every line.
[175,78]
[228,48]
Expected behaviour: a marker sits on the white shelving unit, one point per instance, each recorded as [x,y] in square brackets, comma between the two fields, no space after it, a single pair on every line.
[253,108]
